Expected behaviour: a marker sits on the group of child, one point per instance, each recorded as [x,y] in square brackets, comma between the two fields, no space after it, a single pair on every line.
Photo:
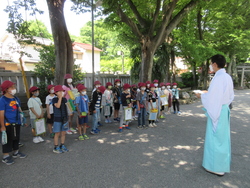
[144,100]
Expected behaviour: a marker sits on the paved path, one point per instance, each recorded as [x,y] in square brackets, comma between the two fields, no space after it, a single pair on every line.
[167,156]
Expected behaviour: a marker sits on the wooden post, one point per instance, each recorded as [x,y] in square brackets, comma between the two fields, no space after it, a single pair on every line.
[242,78]
[24,78]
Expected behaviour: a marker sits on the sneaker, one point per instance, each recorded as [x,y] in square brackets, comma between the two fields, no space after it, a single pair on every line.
[150,125]
[57,150]
[99,124]
[52,135]
[20,155]
[94,132]
[174,112]
[109,120]
[144,127]
[106,121]
[85,137]
[154,125]
[139,127]
[8,160]
[69,132]
[81,138]
[120,130]
[162,117]
[179,113]
[98,130]
[73,130]
[36,140]
[40,139]
[20,144]
[63,148]
[127,127]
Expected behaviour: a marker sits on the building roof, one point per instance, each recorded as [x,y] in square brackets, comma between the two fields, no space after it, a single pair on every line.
[84,46]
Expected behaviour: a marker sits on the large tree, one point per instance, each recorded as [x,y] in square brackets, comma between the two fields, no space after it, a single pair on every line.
[151,22]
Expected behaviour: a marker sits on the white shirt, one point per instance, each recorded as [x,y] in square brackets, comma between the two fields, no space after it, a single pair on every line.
[48,101]
[220,92]
[36,104]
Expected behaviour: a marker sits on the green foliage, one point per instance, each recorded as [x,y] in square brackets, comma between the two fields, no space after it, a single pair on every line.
[187,79]
[45,69]
[181,84]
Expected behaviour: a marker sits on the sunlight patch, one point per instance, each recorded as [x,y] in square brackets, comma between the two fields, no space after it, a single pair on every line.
[193,148]
[229,185]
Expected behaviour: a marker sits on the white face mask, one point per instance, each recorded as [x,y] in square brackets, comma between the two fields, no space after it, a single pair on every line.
[52,91]
[211,68]
[36,94]
[163,87]
[118,84]
[110,87]
[148,85]
[63,93]
[156,85]
[128,90]
[13,92]
[168,87]
[143,88]
[174,86]
[69,80]
[97,86]
[84,92]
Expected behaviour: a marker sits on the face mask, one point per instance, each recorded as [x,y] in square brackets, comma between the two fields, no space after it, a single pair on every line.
[128,90]
[63,93]
[69,80]
[211,68]
[148,85]
[36,94]
[109,87]
[84,92]
[168,87]
[97,86]
[174,86]
[156,85]
[118,84]
[163,87]
[143,88]
[12,92]
[52,91]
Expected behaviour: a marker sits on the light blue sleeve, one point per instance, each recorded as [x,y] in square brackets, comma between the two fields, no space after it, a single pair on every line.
[77,100]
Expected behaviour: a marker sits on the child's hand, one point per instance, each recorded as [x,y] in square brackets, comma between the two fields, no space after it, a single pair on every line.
[48,116]
[37,117]
[94,111]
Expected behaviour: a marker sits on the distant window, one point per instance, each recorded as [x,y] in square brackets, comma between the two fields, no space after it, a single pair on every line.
[77,56]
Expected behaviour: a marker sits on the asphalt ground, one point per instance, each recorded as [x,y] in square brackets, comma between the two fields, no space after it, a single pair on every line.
[167,156]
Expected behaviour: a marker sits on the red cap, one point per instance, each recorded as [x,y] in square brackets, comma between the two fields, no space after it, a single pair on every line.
[6,84]
[162,84]
[58,88]
[108,84]
[152,85]
[81,87]
[155,81]
[148,82]
[97,83]
[142,85]
[78,84]
[50,86]
[174,84]
[168,84]
[67,76]
[134,85]
[117,80]
[126,86]
[102,89]
[34,88]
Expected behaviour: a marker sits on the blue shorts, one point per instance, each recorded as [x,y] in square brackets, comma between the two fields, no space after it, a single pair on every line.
[83,120]
[59,127]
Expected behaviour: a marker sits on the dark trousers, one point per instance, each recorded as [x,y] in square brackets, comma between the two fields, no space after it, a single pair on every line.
[176,104]
[12,144]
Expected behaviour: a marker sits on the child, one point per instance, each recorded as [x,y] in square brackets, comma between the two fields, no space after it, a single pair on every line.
[152,103]
[94,108]
[169,97]
[108,101]
[157,90]
[67,87]
[96,85]
[10,121]
[82,106]
[60,125]
[117,99]
[133,96]
[148,86]
[162,85]
[176,104]
[126,102]
[49,107]
[35,111]
[141,99]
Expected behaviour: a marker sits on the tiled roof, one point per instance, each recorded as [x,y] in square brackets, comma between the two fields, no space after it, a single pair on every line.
[85,46]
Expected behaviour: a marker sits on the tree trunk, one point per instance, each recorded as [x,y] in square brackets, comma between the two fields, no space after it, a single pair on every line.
[62,41]
[172,60]
[234,70]
[147,50]
[194,76]
[206,67]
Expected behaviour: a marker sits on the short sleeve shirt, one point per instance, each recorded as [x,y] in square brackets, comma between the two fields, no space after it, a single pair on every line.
[142,98]
[82,102]
[49,102]
[10,107]
[34,102]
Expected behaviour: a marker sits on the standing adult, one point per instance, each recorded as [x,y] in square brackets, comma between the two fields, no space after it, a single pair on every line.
[216,101]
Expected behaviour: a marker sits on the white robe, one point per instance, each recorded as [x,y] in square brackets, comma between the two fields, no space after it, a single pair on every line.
[220,92]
